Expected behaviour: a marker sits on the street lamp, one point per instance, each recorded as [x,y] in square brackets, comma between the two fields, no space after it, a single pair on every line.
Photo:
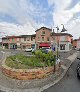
[63,30]
[57,42]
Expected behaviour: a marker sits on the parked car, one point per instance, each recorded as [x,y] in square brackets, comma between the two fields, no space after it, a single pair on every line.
[78,68]
[45,50]
[28,49]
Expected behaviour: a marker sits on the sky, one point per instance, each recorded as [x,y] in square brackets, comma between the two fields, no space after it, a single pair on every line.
[23,17]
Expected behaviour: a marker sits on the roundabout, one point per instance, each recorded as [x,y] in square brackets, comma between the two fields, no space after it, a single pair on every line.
[28,68]
[8,84]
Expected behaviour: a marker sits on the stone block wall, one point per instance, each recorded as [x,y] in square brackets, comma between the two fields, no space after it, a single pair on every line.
[27,74]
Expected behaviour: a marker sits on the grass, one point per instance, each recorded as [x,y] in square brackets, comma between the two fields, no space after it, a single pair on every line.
[21,61]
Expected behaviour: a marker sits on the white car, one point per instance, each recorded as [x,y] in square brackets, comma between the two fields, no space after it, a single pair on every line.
[28,49]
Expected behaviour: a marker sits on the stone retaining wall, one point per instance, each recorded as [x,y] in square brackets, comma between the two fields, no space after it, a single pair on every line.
[27,74]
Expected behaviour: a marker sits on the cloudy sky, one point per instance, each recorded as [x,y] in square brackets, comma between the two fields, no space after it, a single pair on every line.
[19,17]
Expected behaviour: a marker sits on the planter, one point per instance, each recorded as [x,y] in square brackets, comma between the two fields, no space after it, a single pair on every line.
[27,74]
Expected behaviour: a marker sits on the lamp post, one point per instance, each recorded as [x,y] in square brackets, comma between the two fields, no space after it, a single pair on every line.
[57,42]
[63,30]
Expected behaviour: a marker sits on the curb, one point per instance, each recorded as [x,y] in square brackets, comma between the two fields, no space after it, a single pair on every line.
[56,81]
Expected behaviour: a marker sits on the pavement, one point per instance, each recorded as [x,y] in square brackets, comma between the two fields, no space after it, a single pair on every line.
[37,85]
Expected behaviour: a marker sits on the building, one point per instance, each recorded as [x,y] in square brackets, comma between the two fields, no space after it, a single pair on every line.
[44,37]
[62,40]
[76,43]
[18,42]
[11,42]
[27,41]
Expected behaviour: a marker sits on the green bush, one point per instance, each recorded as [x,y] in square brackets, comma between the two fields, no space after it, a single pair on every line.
[38,60]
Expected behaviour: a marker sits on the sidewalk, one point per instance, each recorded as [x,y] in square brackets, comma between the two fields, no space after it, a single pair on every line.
[37,85]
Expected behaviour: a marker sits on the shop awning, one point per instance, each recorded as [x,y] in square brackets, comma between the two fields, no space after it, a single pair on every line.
[44,45]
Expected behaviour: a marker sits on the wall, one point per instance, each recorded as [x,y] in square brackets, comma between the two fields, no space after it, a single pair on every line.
[78,44]
[27,74]
[39,34]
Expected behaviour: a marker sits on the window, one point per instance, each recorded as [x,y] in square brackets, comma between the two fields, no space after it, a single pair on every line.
[31,38]
[17,39]
[24,39]
[42,38]
[63,38]
[28,38]
[12,39]
[38,38]
[47,38]
[53,38]
[62,46]
[43,32]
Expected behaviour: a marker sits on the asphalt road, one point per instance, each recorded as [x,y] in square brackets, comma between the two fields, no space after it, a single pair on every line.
[70,82]
[13,52]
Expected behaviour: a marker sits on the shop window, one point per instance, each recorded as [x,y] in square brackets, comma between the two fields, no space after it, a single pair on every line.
[62,46]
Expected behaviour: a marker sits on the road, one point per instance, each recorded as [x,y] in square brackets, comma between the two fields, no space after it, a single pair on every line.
[67,84]
[70,82]
[13,52]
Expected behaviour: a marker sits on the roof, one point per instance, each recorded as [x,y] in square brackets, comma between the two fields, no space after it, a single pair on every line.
[60,34]
[10,37]
[18,36]
[76,40]
[43,28]
[33,35]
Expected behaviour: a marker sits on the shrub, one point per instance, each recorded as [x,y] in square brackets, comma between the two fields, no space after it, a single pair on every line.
[38,60]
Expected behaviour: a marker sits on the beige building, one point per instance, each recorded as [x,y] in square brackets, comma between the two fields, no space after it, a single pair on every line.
[27,41]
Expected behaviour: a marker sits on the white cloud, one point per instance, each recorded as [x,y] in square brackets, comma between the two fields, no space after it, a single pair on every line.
[19,9]
[75,31]
[23,11]
[12,29]
[63,15]
[60,14]
[59,4]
